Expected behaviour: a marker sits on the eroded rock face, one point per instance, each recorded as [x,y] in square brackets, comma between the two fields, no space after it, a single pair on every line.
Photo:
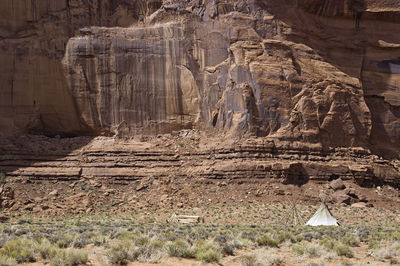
[319,73]
[34,94]
[136,80]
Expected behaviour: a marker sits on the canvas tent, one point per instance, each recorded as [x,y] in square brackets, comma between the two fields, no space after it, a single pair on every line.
[322,217]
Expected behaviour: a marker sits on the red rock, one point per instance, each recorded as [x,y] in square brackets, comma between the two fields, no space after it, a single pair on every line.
[352,193]
[341,197]
[337,184]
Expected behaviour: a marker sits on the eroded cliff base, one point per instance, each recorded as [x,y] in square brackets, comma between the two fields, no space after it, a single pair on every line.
[58,176]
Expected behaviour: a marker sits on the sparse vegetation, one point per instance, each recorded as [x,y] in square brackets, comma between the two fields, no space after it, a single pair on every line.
[69,257]
[207,252]
[180,248]
[20,249]
[309,249]
[344,250]
[65,242]
[7,261]
[267,241]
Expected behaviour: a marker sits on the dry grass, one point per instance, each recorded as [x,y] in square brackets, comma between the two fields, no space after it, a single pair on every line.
[125,240]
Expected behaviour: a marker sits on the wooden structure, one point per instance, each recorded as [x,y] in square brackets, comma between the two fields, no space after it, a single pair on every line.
[185,219]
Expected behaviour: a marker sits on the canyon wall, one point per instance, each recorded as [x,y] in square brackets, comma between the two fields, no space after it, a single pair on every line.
[306,73]
[34,95]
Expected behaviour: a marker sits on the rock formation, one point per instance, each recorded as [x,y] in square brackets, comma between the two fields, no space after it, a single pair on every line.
[289,78]
[315,72]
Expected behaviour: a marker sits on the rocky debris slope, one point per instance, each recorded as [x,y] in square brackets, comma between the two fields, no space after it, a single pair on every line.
[183,170]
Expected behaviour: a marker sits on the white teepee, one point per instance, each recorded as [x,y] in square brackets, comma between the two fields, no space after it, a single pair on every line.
[322,217]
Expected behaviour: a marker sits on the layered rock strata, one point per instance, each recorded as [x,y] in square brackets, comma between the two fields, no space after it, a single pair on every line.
[299,86]
[111,160]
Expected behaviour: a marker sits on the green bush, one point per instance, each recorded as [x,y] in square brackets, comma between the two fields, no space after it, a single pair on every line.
[7,261]
[283,236]
[47,250]
[304,248]
[209,256]
[21,249]
[350,240]
[267,241]
[119,254]
[344,250]
[65,241]
[179,248]
[99,240]
[374,244]
[141,241]
[299,248]
[327,242]
[69,257]
[207,252]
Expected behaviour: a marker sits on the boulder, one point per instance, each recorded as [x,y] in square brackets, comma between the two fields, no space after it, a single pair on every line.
[352,193]
[359,205]
[341,197]
[337,184]
[54,193]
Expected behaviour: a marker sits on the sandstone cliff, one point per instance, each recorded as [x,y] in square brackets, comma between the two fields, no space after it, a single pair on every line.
[34,96]
[300,73]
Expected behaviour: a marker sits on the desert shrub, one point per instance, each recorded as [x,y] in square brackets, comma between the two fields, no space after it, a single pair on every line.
[3,239]
[207,252]
[374,244]
[21,231]
[65,241]
[7,261]
[99,240]
[283,236]
[276,261]
[388,252]
[304,248]
[81,242]
[69,257]
[313,250]
[119,254]
[267,241]
[179,248]
[150,253]
[47,250]
[299,248]
[124,235]
[350,240]
[20,249]
[228,244]
[327,243]
[310,235]
[248,260]
[141,240]
[209,256]
[344,250]
[229,248]
[157,244]
[250,235]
